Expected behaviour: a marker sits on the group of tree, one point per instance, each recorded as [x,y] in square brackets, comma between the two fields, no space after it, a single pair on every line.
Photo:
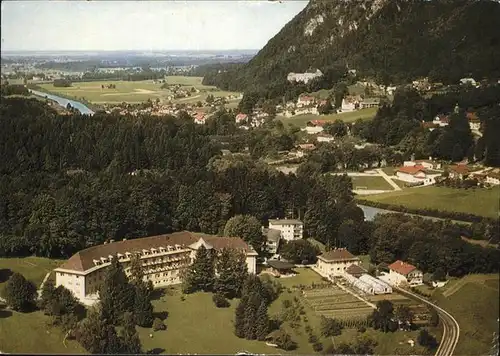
[429,245]
[62,83]
[363,345]
[19,293]
[251,319]
[400,124]
[299,251]
[222,272]
[13,89]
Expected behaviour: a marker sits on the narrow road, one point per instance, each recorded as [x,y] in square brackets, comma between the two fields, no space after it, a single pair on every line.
[388,179]
[451,329]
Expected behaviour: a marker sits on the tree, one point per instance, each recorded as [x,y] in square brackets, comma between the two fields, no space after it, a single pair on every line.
[427,340]
[326,108]
[338,128]
[404,316]
[116,294]
[299,251]
[210,99]
[262,322]
[284,341]
[158,325]
[143,309]
[434,319]
[201,274]
[19,293]
[130,341]
[47,296]
[330,327]
[97,335]
[382,317]
[232,272]
[239,317]
[248,228]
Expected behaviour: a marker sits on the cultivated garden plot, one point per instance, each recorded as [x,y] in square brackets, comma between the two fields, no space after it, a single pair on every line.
[335,303]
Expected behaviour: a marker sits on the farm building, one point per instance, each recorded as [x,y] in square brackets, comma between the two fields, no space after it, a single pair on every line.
[368,284]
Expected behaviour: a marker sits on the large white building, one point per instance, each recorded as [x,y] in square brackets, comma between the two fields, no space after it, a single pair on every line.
[163,258]
[290,229]
[303,77]
[273,238]
[334,263]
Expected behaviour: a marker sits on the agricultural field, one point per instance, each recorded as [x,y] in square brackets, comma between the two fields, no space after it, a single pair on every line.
[370,183]
[137,91]
[420,310]
[483,202]
[334,302]
[301,120]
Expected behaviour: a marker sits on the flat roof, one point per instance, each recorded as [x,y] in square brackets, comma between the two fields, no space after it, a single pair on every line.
[281,265]
[286,221]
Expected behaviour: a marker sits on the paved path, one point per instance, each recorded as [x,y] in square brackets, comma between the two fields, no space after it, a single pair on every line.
[388,179]
[41,285]
[451,332]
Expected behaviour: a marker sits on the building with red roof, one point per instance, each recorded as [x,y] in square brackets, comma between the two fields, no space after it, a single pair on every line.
[460,171]
[404,273]
[241,117]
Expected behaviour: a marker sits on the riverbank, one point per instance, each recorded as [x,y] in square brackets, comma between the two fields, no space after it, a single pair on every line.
[91,106]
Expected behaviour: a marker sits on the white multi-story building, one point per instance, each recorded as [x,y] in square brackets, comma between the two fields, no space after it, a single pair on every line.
[290,229]
[163,257]
[273,238]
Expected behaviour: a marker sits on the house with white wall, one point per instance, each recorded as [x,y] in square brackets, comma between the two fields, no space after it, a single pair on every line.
[334,263]
[402,273]
[290,229]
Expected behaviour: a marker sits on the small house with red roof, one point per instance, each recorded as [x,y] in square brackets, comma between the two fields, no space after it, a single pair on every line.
[411,174]
[314,126]
[305,100]
[200,118]
[241,118]
[441,120]
[404,273]
[460,171]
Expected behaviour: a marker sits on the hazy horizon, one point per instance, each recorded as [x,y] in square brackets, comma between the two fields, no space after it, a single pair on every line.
[98,26]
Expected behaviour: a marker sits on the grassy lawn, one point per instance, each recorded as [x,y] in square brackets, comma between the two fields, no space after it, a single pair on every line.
[473,301]
[370,183]
[301,120]
[136,91]
[483,202]
[29,332]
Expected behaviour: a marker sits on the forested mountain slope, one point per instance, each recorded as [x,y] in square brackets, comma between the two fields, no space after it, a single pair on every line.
[390,40]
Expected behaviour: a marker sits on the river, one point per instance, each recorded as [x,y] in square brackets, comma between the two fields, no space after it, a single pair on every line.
[64,102]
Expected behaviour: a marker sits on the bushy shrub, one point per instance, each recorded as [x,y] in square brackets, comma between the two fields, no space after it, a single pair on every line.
[312,339]
[318,346]
[158,325]
[220,301]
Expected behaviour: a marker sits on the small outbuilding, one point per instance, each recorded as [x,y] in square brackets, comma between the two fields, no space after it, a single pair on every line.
[280,268]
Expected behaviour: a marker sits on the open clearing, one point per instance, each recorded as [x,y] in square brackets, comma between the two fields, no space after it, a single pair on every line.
[301,120]
[483,202]
[137,91]
[370,183]
[473,301]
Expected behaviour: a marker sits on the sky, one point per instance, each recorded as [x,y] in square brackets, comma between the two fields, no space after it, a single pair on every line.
[146,25]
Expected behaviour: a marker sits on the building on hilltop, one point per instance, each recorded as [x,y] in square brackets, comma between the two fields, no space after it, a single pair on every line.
[290,229]
[334,263]
[163,258]
[303,77]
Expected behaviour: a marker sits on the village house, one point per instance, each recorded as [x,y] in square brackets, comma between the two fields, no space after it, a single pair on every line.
[273,237]
[460,171]
[290,229]
[305,100]
[493,178]
[304,77]
[241,118]
[163,258]
[335,262]
[401,273]
[441,120]
[427,164]
[324,137]
[429,125]
[314,126]
[200,118]
[302,149]
[474,122]
[369,103]
[349,103]
[412,174]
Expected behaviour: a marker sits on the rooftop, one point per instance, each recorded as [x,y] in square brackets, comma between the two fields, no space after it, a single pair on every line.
[460,169]
[402,267]
[272,234]
[355,270]
[280,265]
[338,254]
[84,259]
[412,170]
[285,222]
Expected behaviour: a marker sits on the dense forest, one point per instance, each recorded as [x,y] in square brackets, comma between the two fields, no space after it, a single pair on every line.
[69,182]
[391,41]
